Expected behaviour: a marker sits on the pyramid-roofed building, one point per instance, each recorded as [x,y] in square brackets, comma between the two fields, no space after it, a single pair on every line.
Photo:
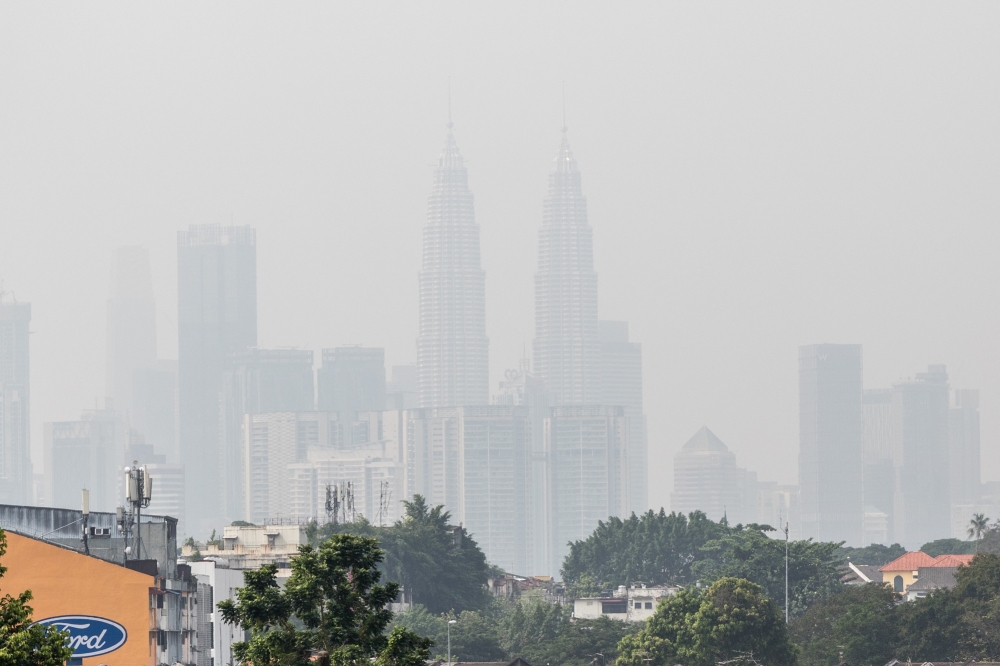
[707,479]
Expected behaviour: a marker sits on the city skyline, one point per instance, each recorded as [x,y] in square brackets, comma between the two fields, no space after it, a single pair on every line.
[717,235]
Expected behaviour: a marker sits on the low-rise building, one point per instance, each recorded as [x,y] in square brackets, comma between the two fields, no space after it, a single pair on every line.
[905,571]
[633,604]
[252,546]
[137,611]
[217,583]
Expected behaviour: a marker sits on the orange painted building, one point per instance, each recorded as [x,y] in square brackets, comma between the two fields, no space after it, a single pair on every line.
[64,582]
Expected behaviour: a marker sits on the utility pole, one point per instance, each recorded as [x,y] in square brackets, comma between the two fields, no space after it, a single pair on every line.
[86,517]
[786,572]
[450,622]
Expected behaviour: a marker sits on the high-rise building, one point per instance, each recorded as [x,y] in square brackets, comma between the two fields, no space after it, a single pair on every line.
[476,461]
[131,332]
[707,479]
[216,317]
[15,447]
[452,347]
[831,442]
[922,511]
[352,379]
[621,385]
[588,453]
[259,381]
[880,434]
[154,407]
[567,345]
[963,446]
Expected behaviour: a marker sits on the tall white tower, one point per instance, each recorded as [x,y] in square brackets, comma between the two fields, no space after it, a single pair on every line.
[567,345]
[452,348]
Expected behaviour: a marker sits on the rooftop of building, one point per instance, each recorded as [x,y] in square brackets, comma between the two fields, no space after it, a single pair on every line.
[915,560]
[705,440]
[933,578]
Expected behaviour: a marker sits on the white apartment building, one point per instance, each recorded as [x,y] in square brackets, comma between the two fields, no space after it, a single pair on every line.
[632,604]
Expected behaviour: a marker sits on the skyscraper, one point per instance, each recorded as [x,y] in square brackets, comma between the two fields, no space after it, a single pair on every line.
[963,446]
[880,436]
[131,333]
[352,379]
[567,346]
[621,385]
[831,442]
[15,449]
[922,510]
[452,347]
[216,317]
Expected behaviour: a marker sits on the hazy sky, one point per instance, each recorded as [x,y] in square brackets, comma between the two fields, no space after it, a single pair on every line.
[759,176]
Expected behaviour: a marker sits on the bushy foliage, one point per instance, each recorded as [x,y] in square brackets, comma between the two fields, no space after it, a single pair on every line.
[672,548]
[874,555]
[949,546]
[732,621]
[540,632]
[22,642]
[858,620]
[331,603]
[437,565]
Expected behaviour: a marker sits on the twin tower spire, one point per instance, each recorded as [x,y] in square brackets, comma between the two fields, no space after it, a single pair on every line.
[452,347]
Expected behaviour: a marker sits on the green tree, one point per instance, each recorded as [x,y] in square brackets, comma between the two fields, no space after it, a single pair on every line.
[331,603]
[859,620]
[23,643]
[874,555]
[949,546]
[977,527]
[732,621]
[654,548]
[580,643]
[747,552]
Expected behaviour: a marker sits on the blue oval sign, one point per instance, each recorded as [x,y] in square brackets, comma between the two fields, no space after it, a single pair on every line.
[89,636]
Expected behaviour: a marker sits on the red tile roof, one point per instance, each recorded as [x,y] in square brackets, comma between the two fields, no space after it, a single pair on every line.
[909,562]
[952,560]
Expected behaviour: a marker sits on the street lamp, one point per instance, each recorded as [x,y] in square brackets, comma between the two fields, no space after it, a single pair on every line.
[450,622]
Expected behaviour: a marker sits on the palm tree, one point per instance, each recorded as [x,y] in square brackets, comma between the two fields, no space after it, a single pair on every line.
[977,526]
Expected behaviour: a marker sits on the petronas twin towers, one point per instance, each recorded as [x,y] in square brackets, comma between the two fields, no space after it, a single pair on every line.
[452,347]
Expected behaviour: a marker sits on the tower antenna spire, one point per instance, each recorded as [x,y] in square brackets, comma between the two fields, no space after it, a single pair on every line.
[564,105]
[449,103]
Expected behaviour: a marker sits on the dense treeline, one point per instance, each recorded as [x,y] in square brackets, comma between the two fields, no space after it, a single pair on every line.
[659,548]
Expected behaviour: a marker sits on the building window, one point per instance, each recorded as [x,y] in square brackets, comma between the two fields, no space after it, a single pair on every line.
[897,583]
[649,604]
[638,604]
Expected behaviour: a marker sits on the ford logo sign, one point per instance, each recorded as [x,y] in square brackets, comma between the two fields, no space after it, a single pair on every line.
[89,636]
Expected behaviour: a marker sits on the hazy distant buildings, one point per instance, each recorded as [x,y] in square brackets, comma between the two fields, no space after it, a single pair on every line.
[881,432]
[131,325]
[216,317]
[621,385]
[831,442]
[922,511]
[352,379]
[587,449]
[707,479]
[452,348]
[15,449]
[476,461]
[963,445]
[88,453]
[567,346]
[154,407]
[258,381]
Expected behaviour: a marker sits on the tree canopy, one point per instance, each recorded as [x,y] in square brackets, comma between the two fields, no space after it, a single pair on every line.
[438,565]
[732,621]
[332,603]
[672,548]
[22,642]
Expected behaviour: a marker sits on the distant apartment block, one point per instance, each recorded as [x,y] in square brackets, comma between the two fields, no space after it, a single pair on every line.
[15,448]
[131,324]
[258,381]
[88,453]
[831,437]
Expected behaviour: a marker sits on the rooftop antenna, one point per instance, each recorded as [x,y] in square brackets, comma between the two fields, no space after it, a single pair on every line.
[564,105]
